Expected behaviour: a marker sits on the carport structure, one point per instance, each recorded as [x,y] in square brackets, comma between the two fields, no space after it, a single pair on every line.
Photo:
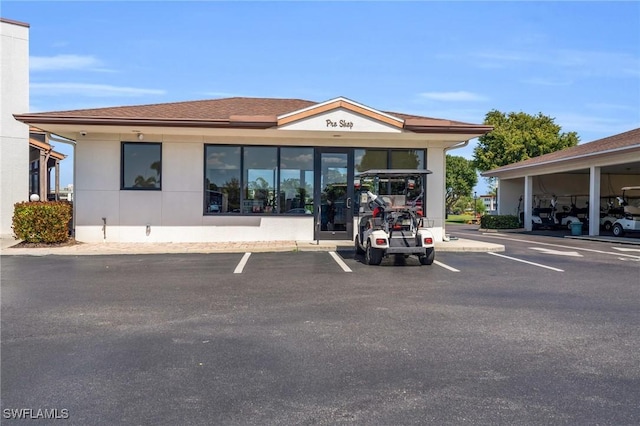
[591,172]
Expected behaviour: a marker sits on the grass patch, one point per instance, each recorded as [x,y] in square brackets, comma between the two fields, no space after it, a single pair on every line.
[459,218]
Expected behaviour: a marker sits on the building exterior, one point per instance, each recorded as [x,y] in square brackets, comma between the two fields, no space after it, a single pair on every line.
[242,169]
[14,135]
[489,201]
[587,175]
[43,160]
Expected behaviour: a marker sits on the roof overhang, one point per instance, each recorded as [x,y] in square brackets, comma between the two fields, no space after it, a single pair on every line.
[611,157]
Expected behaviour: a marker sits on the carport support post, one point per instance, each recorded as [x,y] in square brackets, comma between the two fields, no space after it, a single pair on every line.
[594,201]
[528,201]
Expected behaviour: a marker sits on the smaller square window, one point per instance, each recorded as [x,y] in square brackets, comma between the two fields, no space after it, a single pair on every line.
[141,166]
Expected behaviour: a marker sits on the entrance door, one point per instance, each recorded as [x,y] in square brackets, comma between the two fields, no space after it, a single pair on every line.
[334,194]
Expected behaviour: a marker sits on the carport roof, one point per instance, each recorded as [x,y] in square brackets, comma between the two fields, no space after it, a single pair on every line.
[627,141]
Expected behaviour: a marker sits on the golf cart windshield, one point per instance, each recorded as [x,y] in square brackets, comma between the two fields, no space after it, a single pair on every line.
[398,187]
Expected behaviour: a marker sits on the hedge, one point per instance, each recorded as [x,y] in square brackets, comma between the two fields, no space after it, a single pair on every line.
[42,222]
[499,222]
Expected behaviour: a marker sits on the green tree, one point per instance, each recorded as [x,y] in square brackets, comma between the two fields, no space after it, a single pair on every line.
[461,178]
[518,136]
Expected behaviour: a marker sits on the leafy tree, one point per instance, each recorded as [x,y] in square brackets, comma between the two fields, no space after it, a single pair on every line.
[517,137]
[461,178]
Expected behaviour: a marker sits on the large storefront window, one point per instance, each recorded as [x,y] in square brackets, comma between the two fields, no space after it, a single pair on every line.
[260,172]
[296,180]
[222,179]
[258,180]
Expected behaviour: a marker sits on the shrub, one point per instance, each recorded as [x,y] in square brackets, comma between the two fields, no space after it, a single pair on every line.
[499,222]
[42,222]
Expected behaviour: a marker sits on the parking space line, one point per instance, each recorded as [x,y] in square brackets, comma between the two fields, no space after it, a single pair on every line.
[500,236]
[340,262]
[241,264]
[526,261]
[442,265]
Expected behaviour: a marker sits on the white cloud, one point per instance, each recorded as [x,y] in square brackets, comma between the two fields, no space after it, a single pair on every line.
[65,62]
[459,96]
[90,90]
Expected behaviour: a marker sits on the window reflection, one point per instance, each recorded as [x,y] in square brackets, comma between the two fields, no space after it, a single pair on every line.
[260,176]
[222,179]
[296,180]
[141,165]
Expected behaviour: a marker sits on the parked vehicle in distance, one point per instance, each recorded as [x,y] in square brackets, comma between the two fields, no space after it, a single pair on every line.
[631,220]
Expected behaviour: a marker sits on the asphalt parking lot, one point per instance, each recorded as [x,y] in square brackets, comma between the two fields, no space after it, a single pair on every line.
[547,332]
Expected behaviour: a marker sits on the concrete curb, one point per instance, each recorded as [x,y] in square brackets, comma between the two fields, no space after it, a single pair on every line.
[98,249]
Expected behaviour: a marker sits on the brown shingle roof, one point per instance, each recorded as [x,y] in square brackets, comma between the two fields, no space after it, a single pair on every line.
[212,109]
[620,141]
[238,112]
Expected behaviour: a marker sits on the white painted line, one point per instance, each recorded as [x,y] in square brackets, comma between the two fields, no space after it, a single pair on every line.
[625,249]
[526,261]
[496,235]
[243,262]
[556,252]
[340,262]
[442,265]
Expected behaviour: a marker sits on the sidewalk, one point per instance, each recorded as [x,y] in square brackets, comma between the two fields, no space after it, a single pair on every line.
[81,249]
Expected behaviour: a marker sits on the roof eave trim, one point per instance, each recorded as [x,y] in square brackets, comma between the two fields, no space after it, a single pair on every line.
[490,173]
[154,122]
[450,129]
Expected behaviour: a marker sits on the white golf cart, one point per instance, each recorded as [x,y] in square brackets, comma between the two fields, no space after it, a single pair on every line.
[391,221]
[631,220]
[609,215]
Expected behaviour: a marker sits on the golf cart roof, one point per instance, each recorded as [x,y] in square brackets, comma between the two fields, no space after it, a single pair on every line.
[395,172]
[629,188]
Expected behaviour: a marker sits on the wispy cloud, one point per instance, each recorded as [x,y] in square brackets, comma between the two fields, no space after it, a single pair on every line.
[580,62]
[66,63]
[542,81]
[593,126]
[459,96]
[90,90]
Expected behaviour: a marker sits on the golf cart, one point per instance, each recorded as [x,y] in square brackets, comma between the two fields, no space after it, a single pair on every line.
[544,217]
[631,220]
[609,215]
[391,221]
[572,214]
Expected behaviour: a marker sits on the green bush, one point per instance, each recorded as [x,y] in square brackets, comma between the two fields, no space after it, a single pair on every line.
[42,222]
[499,222]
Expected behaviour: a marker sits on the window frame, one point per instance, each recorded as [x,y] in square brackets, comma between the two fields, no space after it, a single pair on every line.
[122,166]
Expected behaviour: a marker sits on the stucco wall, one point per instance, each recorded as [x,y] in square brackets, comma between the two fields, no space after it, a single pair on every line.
[14,136]
[173,214]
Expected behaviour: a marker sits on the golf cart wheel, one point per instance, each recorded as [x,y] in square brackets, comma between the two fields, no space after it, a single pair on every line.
[357,246]
[429,257]
[372,255]
[618,230]
[607,226]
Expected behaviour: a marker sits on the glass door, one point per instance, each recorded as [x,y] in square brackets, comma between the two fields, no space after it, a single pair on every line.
[334,194]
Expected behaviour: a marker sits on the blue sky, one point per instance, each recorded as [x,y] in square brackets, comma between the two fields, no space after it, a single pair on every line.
[578,62]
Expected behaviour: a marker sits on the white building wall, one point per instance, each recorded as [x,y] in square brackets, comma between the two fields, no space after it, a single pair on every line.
[436,190]
[174,214]
[14,136]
